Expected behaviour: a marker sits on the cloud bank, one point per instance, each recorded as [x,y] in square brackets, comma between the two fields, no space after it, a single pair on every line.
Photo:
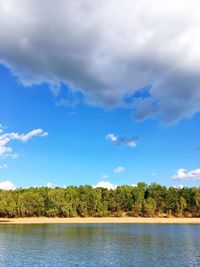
[6,138]
[183,174]
[109,50]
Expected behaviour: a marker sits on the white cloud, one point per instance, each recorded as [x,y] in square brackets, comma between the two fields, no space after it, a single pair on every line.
[132,143]
[105,176]
[119,169]
[6,138]
[105,184]
[3,166]
[7,185]
[183,174]
[122,140]
[115,48]
[1,128]
[180,186]
[26,137]
[49,185]
[134,185]
[111,137]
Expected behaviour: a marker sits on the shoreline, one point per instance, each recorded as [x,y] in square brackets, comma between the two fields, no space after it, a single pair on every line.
[101,220]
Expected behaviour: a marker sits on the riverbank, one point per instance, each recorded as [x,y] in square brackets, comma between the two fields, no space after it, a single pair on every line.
[89,220]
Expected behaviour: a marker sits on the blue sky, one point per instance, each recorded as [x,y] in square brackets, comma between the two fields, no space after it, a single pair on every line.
[76,150]
[115,100]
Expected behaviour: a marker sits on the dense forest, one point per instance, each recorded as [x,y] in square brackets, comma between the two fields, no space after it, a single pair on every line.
[141,200]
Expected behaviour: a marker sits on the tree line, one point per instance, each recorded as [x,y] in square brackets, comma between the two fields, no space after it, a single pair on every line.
[84,201]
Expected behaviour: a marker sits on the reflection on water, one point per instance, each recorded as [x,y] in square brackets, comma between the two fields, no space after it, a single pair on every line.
[100,245]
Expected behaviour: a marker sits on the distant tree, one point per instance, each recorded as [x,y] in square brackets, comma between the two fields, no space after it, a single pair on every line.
[149,207]
[141,200]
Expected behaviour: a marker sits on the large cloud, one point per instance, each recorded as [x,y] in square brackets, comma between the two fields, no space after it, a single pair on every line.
[108,50]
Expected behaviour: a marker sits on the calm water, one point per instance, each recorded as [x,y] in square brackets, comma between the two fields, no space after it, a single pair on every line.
[100,245]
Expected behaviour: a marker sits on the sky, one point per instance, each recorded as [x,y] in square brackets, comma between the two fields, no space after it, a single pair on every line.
[99,92]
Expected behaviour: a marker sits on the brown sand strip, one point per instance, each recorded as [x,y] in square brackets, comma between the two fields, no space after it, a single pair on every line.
[89,220]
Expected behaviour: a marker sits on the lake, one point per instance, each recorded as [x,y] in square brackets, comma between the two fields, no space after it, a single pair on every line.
[100,245]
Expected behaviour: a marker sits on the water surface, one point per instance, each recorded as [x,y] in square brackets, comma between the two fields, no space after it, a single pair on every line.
[100,245]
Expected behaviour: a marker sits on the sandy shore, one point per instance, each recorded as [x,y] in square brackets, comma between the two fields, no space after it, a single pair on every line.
[44,220]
